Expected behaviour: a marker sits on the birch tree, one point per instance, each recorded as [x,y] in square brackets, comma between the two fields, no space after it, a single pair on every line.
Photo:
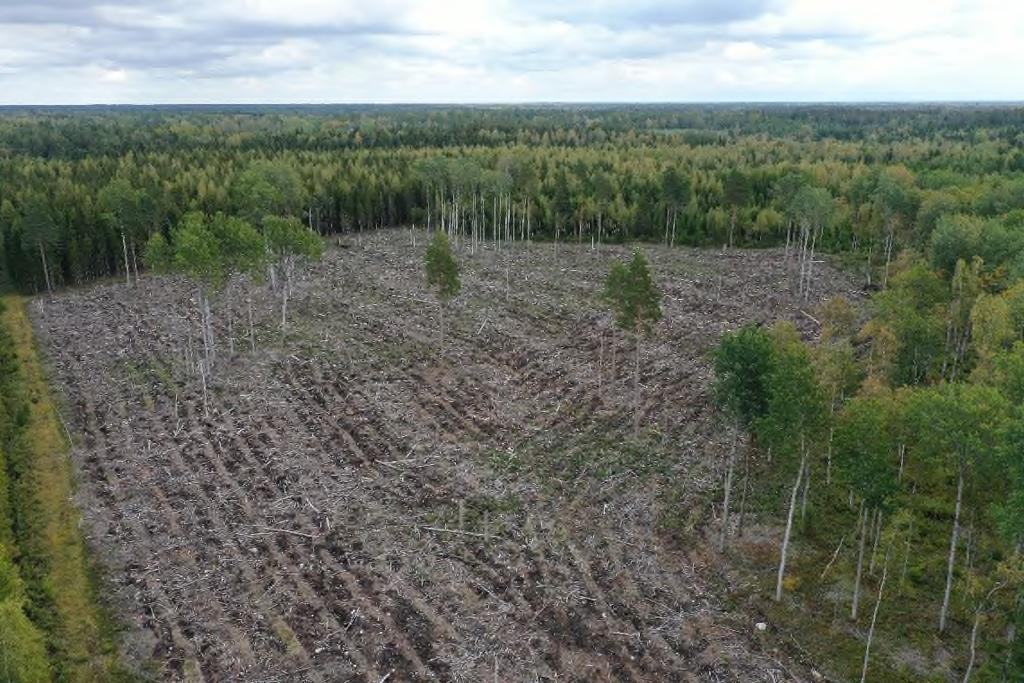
[209,250]
[742,362]
[864,452]
[289,242]
[122,206]
[957,429]
[813,208]
[793,421]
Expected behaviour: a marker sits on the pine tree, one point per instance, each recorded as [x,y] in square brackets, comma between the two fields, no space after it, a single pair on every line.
[637,305]
[442,272]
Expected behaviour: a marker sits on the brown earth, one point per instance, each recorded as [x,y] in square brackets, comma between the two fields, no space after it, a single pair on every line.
[307,526]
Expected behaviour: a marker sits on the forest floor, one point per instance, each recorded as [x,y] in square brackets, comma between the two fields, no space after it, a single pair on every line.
[361,502]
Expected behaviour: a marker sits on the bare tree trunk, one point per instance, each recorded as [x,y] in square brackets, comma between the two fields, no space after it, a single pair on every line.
[974,631]
[906,556]
[874,619]
[952,549]
[636,387]
[206,404]
[743,494]
[874,547]
[860,561]
[974,645]
[127,268]
[252,329]
[209,328]
[828,453]
[803,497]
[728,488]
[441,313]
[810,265]
[789,521]
[889,239]
[135,263]
[284,307]
[46,271]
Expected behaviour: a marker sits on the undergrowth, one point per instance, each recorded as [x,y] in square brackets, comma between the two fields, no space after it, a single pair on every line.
[51,626]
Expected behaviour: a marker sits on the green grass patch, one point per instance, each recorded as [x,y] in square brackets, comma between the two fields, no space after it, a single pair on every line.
[51,590]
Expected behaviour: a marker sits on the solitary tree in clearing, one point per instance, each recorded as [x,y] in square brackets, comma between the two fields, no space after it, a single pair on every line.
[637,305]
[742,361]
[442,272]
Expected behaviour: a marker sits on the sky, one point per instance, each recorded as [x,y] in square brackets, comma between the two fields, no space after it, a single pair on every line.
[289,51]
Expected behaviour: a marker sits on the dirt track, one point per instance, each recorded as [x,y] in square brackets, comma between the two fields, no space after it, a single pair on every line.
[307,529]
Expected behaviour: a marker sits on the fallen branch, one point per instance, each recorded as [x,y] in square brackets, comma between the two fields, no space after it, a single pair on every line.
[834,556]
[274,529]
[811,318]
[452,531]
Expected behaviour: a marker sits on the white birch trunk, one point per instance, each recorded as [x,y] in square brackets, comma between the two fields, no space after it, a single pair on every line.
[952,549]
[789,522]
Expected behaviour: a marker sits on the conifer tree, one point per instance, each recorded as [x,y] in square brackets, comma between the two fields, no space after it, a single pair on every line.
[637,304]
[442,272]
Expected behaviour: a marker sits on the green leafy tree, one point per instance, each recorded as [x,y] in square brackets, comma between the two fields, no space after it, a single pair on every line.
[123,208]
[793,421]
[267,188]
[864,448]
[22,647]
[813,208]
[895,203]
[39,234]
[955,237]
[958,429]
[742,363]
[442,272]
[736,193]
[677,192]
[289,242]
[637,304]
[209,250]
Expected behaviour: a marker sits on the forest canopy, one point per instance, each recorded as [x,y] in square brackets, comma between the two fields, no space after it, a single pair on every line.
[82,189]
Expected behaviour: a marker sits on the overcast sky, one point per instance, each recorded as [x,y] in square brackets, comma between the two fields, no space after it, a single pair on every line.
[152,51]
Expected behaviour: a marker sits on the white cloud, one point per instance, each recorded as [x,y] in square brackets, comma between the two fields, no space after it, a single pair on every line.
[54,51]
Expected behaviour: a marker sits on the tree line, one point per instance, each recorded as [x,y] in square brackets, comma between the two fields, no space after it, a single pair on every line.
[81,191]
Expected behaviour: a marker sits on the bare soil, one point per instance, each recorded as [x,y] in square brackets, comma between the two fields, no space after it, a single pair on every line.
[305,524]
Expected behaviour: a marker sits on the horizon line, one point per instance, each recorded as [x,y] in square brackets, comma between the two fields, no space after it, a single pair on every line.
[528,103]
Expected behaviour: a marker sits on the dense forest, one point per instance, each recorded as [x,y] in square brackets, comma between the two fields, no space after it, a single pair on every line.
[82,189]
